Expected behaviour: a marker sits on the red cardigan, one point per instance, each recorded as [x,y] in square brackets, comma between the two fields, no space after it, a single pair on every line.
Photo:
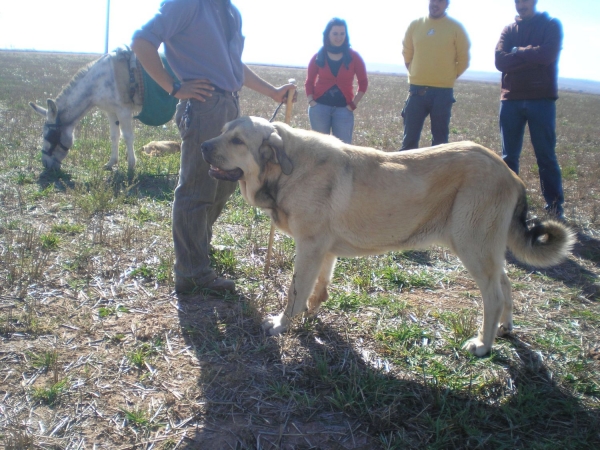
[320,79]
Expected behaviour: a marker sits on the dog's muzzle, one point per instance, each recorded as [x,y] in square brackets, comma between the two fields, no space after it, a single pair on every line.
[215,171]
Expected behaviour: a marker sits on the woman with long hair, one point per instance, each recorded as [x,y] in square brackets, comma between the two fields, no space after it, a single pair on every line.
[330,83]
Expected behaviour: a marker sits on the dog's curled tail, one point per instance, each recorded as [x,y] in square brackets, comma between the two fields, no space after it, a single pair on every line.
[545,244]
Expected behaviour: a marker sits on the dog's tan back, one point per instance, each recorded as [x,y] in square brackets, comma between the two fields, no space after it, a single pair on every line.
[376,201]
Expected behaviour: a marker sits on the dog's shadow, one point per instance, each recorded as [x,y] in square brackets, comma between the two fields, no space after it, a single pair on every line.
[586,247]
[316,388]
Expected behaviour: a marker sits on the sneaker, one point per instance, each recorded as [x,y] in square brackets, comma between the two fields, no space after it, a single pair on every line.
[189,286]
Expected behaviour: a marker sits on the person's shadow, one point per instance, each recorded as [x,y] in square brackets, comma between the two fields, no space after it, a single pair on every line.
[318,389]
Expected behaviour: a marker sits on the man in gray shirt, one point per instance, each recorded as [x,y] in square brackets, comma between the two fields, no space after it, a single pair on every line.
[203,44]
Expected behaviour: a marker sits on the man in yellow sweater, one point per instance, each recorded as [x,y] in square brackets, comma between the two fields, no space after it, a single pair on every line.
[436,53]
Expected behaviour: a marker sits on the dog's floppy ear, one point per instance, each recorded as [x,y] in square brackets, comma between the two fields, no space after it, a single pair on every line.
[281,157]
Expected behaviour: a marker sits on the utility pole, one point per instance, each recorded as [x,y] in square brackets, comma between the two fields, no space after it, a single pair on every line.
[107,25]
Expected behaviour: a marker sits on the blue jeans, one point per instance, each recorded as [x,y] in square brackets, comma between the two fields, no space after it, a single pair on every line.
[336,120]
[426,101]
[540,115]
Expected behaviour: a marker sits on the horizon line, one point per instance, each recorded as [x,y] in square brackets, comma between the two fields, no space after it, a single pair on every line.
[392,71]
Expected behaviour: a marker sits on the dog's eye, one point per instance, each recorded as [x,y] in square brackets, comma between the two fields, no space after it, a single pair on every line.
[237,141]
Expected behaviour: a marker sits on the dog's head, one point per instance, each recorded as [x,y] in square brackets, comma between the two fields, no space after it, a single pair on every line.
[243,150]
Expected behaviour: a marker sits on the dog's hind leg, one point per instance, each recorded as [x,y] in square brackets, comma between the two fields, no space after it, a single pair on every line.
[309,260]
[479,232]
[320,293]
[482,254]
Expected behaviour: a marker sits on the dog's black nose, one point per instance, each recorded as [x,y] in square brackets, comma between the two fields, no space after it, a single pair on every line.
[206,148]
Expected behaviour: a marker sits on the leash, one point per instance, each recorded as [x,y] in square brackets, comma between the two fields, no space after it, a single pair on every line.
[288,117]
[289,101]
[277,110]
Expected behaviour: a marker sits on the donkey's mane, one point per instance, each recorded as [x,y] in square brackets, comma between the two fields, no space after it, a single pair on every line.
[80,74]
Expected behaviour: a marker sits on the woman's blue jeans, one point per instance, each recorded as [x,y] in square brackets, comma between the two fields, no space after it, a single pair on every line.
[540,115]
[336,120]
[426,101]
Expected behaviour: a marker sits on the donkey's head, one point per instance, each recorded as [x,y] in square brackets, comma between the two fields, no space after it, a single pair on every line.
[58,137]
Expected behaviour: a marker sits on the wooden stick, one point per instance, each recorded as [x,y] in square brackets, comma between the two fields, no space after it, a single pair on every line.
[288,118]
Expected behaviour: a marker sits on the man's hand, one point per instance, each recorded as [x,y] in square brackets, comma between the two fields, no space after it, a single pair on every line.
[280,94]
[256,83]
[196,89]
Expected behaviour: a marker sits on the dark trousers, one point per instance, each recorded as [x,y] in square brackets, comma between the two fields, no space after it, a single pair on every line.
[540,115]
[426,101]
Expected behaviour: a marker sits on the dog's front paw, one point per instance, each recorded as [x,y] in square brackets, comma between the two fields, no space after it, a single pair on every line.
[275,325]
[476,347]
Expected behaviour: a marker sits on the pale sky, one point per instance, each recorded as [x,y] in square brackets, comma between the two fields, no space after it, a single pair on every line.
[287,32]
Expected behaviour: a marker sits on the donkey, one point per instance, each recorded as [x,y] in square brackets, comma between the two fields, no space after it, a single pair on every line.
[108,83]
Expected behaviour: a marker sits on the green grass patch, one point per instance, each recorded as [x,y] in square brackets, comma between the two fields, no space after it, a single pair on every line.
[44,361]
[345,301]
[144,272]
[68,228]
[408,279]
[106,311]
[50,394]
[462,325]
[50,241]
[402,336]
[137,418]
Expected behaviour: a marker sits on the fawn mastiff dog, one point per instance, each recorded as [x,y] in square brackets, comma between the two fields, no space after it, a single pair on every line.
[336,199]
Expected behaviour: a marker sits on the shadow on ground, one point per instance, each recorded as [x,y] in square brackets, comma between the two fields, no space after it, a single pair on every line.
[587,247]
[316,389]
[59,179]
[158,187]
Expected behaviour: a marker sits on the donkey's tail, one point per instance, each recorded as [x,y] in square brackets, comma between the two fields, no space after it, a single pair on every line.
[545,244]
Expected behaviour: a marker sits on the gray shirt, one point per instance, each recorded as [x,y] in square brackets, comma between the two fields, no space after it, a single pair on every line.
[196,43]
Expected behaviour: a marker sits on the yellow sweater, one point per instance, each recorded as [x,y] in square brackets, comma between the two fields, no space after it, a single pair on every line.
[436,51]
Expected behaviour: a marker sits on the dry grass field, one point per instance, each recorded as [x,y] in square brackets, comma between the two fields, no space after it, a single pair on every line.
[97,351]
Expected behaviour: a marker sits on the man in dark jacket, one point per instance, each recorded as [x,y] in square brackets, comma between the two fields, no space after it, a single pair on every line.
[527,55]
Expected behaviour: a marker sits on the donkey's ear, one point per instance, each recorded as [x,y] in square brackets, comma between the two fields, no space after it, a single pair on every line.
[282,158]
[38,109]
[52,110]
